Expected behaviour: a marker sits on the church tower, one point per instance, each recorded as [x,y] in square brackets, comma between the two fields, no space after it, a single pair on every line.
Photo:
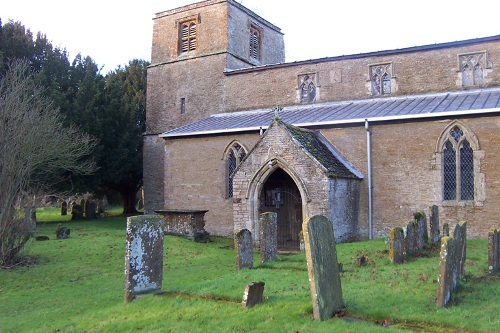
[193,48]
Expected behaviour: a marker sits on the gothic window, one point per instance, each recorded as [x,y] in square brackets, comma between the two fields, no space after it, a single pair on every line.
[380,77]
[307,89]
[458,166]
[235,154]
[255,40]
[187,36]
[472,68]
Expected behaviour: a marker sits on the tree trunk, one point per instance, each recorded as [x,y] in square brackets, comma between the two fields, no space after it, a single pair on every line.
[128,198]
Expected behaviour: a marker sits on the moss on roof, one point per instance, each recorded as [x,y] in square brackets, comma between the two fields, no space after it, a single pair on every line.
[320,152]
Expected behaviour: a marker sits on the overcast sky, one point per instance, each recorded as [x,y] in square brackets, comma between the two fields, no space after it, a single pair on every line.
[113,32]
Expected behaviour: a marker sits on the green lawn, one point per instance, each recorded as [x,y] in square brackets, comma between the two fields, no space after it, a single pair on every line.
[77,285]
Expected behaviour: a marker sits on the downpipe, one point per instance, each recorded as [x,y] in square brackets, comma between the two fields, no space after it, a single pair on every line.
[369,158]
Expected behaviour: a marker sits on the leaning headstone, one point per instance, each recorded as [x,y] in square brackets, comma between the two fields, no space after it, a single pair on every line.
[64,208]
[494,251]
[434,223]
[144,255]
[268,223]
[253,294]
[322,267]
[446,280]
[422,235]
[243,246]
[396,245]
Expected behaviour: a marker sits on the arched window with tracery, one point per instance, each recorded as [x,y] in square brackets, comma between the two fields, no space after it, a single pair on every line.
[458,168]
[307,89]
[380,77]
[234,155]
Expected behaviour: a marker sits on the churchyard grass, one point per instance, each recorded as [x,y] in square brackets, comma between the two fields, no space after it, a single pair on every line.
[77,285]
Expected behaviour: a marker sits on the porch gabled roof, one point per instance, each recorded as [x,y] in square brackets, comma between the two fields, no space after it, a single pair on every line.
[459,103]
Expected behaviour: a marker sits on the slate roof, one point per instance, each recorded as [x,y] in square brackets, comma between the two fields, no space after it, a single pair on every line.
[355,111]
[334,163]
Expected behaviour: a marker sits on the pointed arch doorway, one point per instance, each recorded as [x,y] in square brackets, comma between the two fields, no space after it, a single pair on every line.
[281,195]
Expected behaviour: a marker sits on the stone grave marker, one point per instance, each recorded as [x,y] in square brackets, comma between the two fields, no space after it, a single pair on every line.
[322,267]
[268,236]
[90,210]
[396,245]
[64,208]
[411,238]
[76,212]
[434,223]
[494,251]
[422,235]
[243,246]
[446,271]
[253,294]
[460,236]
[62,232]
[143,256]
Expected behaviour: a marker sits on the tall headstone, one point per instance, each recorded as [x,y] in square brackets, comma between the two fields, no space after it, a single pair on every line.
[144,255]
[422,235]
[396,245]
[243,246]
[268,236]
[322,267]
[460,236]
[494,251]
[90,210]
[452,265]
[446,281]
[411,237]
[64,208]
[253,294]
[434,223]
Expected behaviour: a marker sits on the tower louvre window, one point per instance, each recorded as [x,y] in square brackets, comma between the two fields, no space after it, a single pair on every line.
[187,36]
[255,40]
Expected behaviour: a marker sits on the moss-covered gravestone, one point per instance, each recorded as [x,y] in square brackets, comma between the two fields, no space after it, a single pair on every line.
[396,245]
[243,246]
[322,267]
[144,255]
[434,223]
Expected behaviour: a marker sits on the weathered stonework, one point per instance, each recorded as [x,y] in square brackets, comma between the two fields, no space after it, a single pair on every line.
[452,264]
[434,223]
[322,267]
[143,255]
[253,294]
[396,245]
[268,237]
[243,246]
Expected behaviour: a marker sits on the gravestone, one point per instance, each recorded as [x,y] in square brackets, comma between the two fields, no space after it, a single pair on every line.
[411,238]
[452,265]
[268,237]
[446,281]
[143,256]
[460,236]
[396,245]
[446,229]
[494,251]
[90,210]
[422,235]
[62,232]
[243,246]
[253,294]
[77,212]
[64,208]
[322,267]
[434,223]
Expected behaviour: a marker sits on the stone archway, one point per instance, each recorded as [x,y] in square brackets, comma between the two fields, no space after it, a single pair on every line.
[281,195]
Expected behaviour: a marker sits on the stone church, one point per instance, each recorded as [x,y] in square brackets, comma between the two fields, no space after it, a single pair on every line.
[367,140]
